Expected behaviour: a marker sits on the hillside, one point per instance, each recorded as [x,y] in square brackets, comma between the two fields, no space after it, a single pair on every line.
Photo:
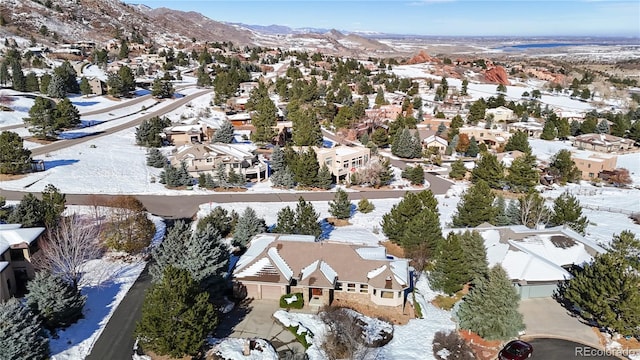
[67,21]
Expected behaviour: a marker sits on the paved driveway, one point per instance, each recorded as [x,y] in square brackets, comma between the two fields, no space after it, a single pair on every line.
[546,318]
[255,319]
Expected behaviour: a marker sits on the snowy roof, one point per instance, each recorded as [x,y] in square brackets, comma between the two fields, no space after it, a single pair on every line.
[280,263]
[372,253]
[297,237]
[536,254]
[3,265]
[313,261]
[13,234]
[375,272]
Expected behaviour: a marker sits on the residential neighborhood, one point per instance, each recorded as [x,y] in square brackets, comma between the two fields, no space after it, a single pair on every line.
[178,187]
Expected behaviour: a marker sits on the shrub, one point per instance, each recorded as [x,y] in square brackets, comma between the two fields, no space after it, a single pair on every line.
[301,337]
[446,302]
[451,346]
[365,206]
[298,303]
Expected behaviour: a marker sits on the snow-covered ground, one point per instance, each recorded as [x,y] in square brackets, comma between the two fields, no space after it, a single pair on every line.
[105,283]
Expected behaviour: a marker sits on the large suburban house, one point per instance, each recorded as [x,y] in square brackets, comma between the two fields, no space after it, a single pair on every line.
[493,138]
[17,244]
[532,128]
[343,160]
[500,113]
[602,142]
[536,260]
[324,271]
[590,165]
[203,159]
[435,141]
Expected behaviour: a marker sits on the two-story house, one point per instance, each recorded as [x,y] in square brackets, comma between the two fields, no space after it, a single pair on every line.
[203,159]
[342,160]
[17,245]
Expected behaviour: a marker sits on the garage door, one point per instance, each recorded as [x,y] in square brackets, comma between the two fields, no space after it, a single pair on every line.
[271,292]
[252,291]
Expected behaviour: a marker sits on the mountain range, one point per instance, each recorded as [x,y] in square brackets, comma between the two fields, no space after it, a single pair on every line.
[66,21]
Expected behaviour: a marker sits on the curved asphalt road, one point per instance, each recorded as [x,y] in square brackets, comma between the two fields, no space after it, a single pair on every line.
[556,349]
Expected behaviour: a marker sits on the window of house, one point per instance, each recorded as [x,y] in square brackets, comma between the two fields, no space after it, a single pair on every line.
[351,287]
[589,166]
[209,160]
[375,292]
[386,294]
[328,161]
[345,165]
[364,288]
[17,254]
[339,286]
[590,175]
[366,158]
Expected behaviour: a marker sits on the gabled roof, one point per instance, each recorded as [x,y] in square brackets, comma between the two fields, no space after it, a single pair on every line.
[274,258]
[14,234]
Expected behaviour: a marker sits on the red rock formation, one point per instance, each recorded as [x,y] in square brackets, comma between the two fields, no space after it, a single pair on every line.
[497,75]
[421,57]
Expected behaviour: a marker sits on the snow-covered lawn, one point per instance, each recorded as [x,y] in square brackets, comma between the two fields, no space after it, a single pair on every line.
[105,283]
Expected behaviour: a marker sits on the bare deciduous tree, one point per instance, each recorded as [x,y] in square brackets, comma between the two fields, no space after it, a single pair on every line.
[68,246]
[533,211]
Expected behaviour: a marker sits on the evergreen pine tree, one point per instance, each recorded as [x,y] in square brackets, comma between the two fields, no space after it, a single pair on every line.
[286,221]
[264,119]
[224,134]
[564,129]
[567,210]
[58,303]
[606,290]
[207,260]
[306,128]
[156,159]
[283,178]
[386,175]
[21,336]
[53,205]
[277,159]
[513,212]
[4,73]
[325,179]
[17,77]
[31,82]
[66,115]
[548,131]
[184,178]
[502,218]
[473,149]
[340,206]
[458,170]
[394,223]
[404,145]
[171,251]
[306,168]
[475,254]
[523,174]
[475,207]
[176,316]
[491,307]
[441,129]
[66,72]
[85,88]
[56,87]
[603,127]
[564,168]
[249,225]
[30,212]
[490,170]
[307,219]
[219,219]
[423,230]
[450,272]
[14,157]
[518,141]
[41,118]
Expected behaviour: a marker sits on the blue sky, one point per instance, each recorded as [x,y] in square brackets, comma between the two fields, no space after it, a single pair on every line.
[430,17]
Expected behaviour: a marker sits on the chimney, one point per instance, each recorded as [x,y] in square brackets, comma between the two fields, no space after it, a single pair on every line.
[387,282]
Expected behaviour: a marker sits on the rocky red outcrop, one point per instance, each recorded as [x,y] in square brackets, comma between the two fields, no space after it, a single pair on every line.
[497,75]
[421,57]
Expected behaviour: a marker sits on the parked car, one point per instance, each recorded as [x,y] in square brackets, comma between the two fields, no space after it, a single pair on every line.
[516,350]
